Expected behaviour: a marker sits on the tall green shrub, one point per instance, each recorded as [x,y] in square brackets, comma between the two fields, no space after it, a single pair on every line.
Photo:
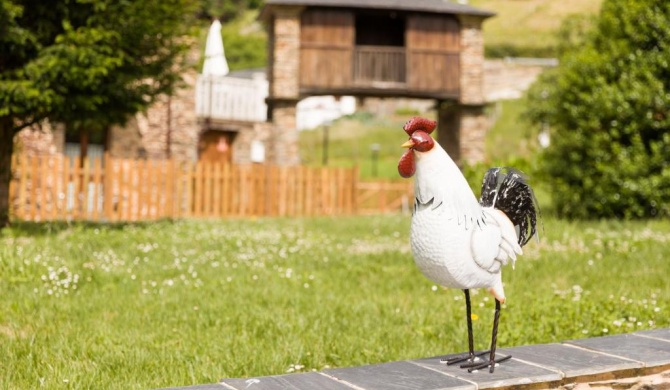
[608,108]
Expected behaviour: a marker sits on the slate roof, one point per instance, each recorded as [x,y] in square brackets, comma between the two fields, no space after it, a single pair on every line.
[431,6]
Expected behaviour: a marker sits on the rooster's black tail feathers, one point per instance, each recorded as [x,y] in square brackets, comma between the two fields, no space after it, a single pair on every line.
[506,189]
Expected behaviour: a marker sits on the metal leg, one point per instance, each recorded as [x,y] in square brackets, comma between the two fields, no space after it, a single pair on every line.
[471,344]
[494,340]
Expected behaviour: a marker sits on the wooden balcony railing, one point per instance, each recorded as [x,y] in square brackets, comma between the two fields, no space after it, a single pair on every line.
[379,64]
[230,98]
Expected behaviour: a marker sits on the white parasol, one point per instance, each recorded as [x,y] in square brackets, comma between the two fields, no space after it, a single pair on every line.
[215,58]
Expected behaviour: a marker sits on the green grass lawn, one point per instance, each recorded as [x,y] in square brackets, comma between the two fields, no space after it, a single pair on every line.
[350,143]
[167,304]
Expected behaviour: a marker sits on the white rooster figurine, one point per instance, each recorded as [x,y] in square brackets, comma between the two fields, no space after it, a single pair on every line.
[460,242]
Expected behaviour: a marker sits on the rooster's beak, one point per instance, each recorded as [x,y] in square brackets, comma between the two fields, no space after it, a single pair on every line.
[407,144]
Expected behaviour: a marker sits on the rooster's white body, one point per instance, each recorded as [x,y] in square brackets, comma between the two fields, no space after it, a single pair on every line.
[458,241]
[455,241]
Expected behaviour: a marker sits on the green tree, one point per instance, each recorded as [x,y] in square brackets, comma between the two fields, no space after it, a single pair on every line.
[226,9]
[85,63]
[608,107]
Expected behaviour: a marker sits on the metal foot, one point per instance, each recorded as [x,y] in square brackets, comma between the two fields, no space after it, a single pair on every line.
[460,359]
[491,364]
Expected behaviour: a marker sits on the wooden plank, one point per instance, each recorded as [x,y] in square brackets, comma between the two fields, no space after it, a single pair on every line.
[157,190]
[273,201]
[96,193]
[308,201]
[300,190]
[85,177]
[197,193]
[285,182]
[13,184]
[107,190]
[190,183]
[246,193]
[66,212]
[129,171]
[325,192]
[207,188]
[179,198]
[43,200]
[226,190]
[234,190]
[150,192]
[133,199]
[351,188]
[113,193]
[258,194]
[78,186]
[216,188]
[169,190]
[161,192]
[341,187]
[122,201]
[354,189]
[291,193]
[22,192]
[327,40]
[34,160]
[53,189]
[140,190]
[144,186]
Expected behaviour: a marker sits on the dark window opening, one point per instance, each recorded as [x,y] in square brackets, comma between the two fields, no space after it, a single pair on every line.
[85,144]
[380,30]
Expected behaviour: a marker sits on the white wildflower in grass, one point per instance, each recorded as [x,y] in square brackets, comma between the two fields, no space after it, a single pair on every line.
[295,368]
[59,281]
[434,288]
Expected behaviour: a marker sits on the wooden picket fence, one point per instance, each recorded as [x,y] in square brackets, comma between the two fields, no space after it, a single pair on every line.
[61,188]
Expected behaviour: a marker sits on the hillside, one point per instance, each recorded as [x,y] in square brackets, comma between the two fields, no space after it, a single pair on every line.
[528,28]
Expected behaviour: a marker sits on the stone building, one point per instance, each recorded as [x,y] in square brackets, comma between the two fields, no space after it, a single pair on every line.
[171,128]
[420,49]
[425,49]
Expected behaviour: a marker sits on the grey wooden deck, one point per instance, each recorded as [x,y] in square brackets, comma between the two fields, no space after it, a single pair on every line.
[533,366]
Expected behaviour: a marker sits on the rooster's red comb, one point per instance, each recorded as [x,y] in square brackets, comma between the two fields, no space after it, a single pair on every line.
[418,123]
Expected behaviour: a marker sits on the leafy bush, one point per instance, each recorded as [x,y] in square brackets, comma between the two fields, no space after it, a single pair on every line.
[607,107]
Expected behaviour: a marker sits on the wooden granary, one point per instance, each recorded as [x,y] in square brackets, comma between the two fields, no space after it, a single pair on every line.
[429,49]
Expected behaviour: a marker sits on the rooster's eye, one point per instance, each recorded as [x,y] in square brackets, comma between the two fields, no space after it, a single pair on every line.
[423,142]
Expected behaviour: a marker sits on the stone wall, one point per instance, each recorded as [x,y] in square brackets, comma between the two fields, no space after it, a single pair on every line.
[473,128]
[285,133]
[41,139]
[284,80]
[472,60]
[169,128]
[253,131]
[284,84]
